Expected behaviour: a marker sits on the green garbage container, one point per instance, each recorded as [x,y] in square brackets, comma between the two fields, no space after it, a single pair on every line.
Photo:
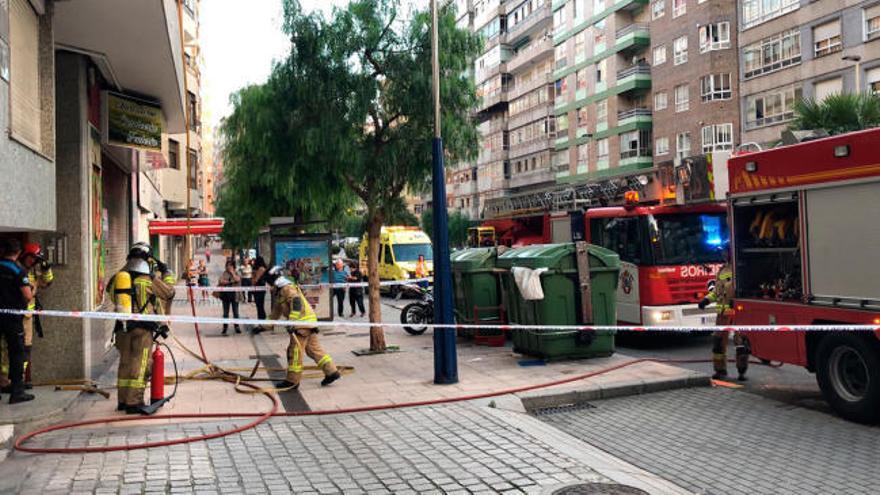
[562,302]
[476,292]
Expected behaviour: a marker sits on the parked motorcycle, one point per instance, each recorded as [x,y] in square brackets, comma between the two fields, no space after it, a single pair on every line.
[416,315]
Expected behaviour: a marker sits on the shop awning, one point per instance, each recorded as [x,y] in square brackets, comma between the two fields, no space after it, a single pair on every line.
[178,226]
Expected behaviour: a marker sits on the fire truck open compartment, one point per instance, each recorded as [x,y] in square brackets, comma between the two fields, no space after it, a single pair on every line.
[768,256]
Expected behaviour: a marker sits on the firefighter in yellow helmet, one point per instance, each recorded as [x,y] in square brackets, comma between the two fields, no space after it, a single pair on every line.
[722,295]
[290,301]
[41,277]
[137,289]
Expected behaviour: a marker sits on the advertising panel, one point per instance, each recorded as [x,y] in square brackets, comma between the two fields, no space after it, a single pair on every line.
[306,260]
[131,122]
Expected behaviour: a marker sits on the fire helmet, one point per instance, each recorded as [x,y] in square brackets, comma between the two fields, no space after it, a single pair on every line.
[140,250]
[33,249]
[137,266]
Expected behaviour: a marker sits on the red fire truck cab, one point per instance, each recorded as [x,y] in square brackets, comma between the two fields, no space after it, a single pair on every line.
[668,255]
[806,240]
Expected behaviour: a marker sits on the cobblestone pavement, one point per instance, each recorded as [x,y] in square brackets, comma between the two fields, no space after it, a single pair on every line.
[721,441]
[450,449]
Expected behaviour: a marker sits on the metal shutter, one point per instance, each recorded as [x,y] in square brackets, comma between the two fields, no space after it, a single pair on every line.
[24,43]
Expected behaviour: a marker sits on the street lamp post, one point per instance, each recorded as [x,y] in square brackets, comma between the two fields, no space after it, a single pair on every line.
[858,61]
[445,358]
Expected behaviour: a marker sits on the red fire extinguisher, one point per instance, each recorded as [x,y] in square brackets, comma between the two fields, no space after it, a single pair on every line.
[157,379]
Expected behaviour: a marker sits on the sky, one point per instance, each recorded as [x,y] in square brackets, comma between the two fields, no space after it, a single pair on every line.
[239,45]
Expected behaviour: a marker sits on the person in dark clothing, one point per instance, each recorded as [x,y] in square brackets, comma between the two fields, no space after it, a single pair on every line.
[340,276]
[230,299]
[260,270]
[15,293]
[356,293]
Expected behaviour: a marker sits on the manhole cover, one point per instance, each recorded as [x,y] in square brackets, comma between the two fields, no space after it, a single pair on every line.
[546,411]
[599,489]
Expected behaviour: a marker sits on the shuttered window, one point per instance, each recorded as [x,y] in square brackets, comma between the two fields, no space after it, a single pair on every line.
[24,41]
[823,89]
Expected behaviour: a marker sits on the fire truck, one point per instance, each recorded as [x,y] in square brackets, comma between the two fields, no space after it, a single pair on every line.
[668,253]
[805,222]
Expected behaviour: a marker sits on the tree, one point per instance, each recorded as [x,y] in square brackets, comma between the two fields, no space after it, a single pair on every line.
[838,113]
[458,225]
[348,116]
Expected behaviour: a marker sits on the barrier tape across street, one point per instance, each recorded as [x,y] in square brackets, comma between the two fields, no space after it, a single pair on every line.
[262,288]
[102,315]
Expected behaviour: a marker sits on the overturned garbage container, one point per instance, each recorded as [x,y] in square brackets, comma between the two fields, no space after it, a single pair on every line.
[477,292]
[561,284]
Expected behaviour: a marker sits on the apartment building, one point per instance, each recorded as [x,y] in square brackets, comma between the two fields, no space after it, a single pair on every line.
[793,49]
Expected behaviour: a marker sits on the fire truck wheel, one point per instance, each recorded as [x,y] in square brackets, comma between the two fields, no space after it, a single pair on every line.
[848,372]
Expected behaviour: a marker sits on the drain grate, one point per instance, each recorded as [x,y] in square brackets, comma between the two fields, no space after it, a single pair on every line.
[546,411]
[598,489]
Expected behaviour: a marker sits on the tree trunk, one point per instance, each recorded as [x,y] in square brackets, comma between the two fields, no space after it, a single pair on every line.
[377,333]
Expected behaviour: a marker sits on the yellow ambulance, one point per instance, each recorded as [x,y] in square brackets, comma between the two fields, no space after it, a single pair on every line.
[399,250]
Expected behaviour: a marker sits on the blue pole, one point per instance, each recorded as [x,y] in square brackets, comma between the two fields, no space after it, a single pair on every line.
[445,357]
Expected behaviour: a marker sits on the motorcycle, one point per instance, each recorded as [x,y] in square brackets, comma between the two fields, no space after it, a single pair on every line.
[416,315]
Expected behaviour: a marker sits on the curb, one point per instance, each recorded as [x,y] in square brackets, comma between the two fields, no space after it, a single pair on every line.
[533,401]
[13,429]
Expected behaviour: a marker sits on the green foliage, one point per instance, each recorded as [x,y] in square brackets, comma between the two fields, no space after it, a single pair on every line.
[838,113]
[458,224]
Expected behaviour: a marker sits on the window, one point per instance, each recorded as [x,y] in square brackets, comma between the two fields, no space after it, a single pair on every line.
[599,33]
[560,161]
[598,6]
[561,55]
[580,40]
[683,145]
[582,118]
[635,143]
[529,100]
[582,79]
[388,257]
[600,70]
[873,78]
[715,87]
[659,54]
[682,98]
[661,146]
[583,152]
[714,37]
[559,21]
[658,9]
[872,22]
[679,7]
[718,137]
[826,38]
[680,50]
[772,107]
[562,125]
[25,109]
[193,169]
[771,54]
[173,154]
[660,101]
[755,12]
[602,111]
[828,87]
[561,88]
[602,148]
[621,235]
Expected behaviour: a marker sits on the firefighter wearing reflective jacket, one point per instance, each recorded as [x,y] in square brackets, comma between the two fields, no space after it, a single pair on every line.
[290,300]
[40,276]
[136,289]
[722,295]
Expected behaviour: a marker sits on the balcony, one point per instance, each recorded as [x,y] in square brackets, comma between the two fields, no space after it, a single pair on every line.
[535,113]
[636,77]
[531,147]
[464,189]
[492,126]
[482,75]
[490,101]
[634,115]
[538,19]
[532,177]
[529,86]
[492,156]
[633,38]
[537,50]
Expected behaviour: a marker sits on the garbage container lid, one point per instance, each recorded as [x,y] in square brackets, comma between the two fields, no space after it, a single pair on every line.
[552,256]
[473,259]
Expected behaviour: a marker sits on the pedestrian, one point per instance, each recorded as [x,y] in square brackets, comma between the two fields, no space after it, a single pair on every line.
[292,303]
[208,253]
[203,279]
[722,294]
[136,289]
[260,270]
[247,277]
[229,299]
[40,275]
[421,271]
[356,292]
[15,293]
[341,274]
[192,273]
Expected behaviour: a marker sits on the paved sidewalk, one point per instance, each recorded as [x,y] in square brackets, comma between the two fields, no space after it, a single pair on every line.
[447,449]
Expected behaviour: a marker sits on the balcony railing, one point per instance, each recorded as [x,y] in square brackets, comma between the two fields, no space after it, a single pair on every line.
[635,153]
[641,68]
[632,28]
[532,146]
[533,84]
[529,22]
[535,113]
[543,45]
[633,112]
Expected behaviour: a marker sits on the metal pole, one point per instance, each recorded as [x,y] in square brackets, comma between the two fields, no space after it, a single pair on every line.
[445,358]
[187,240]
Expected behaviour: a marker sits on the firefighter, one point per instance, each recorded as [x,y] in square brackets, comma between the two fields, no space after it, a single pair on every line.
[15,293]
[290,301]
[137,289]
[40,276]
[721,293]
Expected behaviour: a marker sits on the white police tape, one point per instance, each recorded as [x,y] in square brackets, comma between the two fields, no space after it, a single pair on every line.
[101,315]
[263,288]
